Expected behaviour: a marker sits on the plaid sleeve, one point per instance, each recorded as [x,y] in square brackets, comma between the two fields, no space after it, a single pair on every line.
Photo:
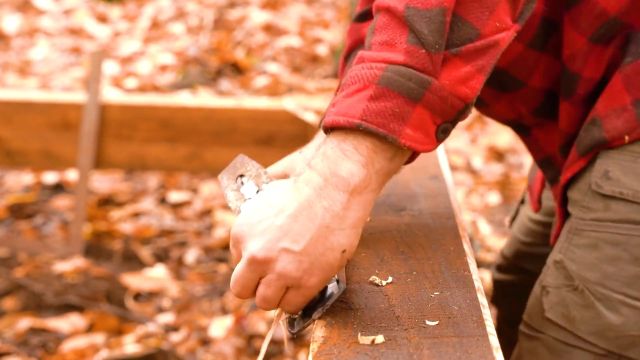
[421,67]
[357,33]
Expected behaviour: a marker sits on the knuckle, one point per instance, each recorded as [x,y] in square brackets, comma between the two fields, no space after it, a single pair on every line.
[294,302]
[290,308]
[289,273]
[265,303]
[257,257]
[294,278]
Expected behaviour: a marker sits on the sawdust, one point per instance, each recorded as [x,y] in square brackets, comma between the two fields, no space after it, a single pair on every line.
[379,282]
[371,340]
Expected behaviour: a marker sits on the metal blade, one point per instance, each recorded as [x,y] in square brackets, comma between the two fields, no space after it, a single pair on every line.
[319,305]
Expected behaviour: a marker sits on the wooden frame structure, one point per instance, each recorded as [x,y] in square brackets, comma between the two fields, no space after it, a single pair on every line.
[157,131]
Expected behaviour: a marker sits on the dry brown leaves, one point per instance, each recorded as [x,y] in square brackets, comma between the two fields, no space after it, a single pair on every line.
[266,47]
[490,167]
[154,283]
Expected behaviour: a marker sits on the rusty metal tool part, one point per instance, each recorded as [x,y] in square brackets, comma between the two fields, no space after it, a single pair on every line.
[412,236]
[241,181]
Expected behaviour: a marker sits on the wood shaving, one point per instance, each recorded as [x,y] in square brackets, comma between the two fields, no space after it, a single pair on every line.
[432,323]
[371,340]
[267,339]
[379,282]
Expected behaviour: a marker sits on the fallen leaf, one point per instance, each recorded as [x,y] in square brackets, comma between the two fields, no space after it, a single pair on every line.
[82,341]
[10,303]
[192,256]
[154,279]
[371,340]
[167,318]
[66,324]
[256,323]
[12,23]
[70,265]
[379,282]
[45,5]
[178,197]
[62,202]
[104,322]
[50,178]
[22,205]
[221,326]
[209,189]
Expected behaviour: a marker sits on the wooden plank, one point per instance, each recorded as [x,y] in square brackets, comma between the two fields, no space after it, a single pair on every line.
[413,237]
[164,132]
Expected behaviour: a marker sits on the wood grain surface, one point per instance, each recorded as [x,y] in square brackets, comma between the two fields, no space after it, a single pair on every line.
[413,237]
[163,132]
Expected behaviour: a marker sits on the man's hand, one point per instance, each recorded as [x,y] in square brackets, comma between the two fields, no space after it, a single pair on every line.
[301,229]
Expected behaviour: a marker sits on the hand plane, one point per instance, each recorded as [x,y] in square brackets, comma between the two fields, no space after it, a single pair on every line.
[241,181]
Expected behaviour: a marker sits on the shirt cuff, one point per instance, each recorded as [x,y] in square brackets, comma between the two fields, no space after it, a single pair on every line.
[400,104]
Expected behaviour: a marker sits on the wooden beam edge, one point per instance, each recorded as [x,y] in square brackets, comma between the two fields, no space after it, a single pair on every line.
[295,103]
[471,261]
[320,328]
[301,111]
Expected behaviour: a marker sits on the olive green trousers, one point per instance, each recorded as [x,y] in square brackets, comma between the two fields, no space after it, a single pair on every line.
[581,298]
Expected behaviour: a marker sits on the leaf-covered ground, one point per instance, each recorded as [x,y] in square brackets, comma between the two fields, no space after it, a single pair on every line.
[490,168]
[154,283]
[266,47]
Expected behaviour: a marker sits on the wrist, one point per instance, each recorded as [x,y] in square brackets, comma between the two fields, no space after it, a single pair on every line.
[356,162]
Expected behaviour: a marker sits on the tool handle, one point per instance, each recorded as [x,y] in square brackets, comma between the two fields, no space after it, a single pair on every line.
[242,179]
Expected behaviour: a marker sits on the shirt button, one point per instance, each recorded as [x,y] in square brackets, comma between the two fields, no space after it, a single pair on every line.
[443,131]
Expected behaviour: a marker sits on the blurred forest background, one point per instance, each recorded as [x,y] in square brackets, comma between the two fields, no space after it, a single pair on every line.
[154,281]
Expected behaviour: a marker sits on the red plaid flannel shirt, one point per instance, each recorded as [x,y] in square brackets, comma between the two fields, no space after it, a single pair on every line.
[565,75]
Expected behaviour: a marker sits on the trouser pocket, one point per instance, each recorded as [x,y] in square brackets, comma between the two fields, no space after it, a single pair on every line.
[609,190]
[592,285]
